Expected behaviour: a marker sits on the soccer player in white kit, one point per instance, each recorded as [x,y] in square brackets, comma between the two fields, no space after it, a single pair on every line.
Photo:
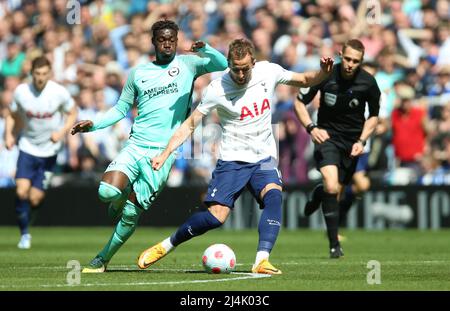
[243,98]
[40,106]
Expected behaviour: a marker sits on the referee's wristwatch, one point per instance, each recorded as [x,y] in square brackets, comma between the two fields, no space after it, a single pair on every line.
[362,141]
[310,127]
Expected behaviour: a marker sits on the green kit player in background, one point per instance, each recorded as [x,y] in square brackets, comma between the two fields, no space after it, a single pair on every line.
[162,90]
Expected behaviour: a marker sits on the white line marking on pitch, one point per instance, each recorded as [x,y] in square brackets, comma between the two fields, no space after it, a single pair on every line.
[309,262]
[244,277]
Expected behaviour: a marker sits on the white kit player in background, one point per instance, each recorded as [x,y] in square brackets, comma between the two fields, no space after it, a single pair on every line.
[39,108]
[243,97]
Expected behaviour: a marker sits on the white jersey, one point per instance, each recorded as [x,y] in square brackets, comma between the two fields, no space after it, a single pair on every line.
[42,114]
[245,112]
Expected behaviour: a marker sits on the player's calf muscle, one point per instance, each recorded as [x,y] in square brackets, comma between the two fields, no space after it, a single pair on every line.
[331,186]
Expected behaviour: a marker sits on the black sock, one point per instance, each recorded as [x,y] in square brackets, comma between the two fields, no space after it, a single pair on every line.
[346,203]
[318,194]
[331,215]
[344,207]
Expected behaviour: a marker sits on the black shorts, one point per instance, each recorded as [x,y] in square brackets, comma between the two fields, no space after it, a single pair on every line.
[329,153]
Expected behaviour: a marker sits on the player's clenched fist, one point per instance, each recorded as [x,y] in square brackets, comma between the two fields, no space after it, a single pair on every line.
[357,149]
[82,127]
[196,46]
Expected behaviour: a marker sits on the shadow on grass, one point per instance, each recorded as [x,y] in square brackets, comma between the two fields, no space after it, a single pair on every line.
[165,271]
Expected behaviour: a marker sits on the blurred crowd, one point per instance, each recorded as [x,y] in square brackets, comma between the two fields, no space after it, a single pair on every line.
[93,44]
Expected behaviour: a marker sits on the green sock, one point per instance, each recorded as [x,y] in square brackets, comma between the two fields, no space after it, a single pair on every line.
[115,207]
[124,229]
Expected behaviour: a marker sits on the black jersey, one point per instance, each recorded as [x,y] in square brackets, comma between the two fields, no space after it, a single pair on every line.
[342,104]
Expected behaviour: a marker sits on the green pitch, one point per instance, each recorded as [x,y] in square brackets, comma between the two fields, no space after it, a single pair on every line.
[409,260]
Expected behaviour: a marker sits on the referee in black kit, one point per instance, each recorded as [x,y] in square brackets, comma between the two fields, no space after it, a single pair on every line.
[341,131]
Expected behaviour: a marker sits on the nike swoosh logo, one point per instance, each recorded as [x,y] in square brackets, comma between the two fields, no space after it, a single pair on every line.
[233,98]
[143,81]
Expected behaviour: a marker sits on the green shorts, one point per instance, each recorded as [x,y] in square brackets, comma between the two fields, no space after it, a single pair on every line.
[134,161]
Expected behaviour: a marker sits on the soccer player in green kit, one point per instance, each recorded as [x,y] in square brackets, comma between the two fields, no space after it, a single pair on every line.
[162,90]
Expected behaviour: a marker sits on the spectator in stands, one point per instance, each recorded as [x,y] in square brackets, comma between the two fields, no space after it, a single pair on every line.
[12,64]
[8,158]
[408,121]
[293,143]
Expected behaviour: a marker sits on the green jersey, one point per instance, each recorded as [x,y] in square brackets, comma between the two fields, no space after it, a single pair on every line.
[163,96]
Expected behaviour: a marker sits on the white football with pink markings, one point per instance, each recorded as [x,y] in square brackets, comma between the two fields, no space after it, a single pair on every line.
[219,258]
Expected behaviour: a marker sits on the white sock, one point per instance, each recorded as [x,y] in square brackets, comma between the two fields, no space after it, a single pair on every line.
[167,245]
[260,255]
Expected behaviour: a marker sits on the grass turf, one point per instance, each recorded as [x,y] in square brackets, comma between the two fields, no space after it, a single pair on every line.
[410,260]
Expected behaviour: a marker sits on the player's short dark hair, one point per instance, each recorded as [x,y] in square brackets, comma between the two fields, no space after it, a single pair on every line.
[239,48]
[354,44]
[39,62]
[164,24]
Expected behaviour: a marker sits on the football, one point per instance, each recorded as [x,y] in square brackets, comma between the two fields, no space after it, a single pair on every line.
[219,258]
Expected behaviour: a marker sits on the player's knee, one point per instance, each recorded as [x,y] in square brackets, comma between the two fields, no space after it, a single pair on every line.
[273,198]
[331,187]
[108,193]
[22,195]
[221,212]
[271,186]
[362,184]
[331,183]
[35,200]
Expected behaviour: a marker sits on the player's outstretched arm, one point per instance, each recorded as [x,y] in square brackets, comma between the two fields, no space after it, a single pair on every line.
[112,116]
[308,79]
[180,135]
[213,59]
